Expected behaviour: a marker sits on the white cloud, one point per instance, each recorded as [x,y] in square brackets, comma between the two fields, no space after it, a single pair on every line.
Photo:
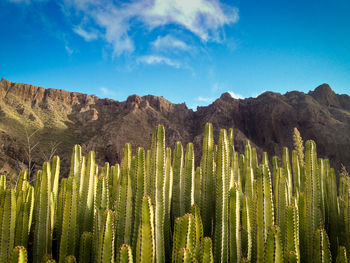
[203,18]
[88,36]
[153,60]
[68,49]
[169,42]
[235,95]
[107,92]
[204,99]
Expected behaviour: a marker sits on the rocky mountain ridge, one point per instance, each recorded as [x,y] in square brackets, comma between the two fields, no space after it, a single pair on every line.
[105,125]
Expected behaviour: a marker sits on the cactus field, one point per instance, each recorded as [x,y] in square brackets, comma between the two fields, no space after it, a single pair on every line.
[156,206]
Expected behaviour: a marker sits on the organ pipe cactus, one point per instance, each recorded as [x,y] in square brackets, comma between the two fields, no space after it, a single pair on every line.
[312,196]
[69,236]
[291,238]
[321,252]
[177,194]
[273,247]
[187,181]
[145,247]
[70,259]
[124,210]
[101,204]
[341,257]
[167,204]
[207,253]
[85,249]
[157,172]
[235,225]
[7,224]
[86,195]
[208,187]
[125,254]
[184,236]
[246,234]
[98,217]
[221,208]
[105,251]
[140,189]
[19,255]
[42,209]
[25,206]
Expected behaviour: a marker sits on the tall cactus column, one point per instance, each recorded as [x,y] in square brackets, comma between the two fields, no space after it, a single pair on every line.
[158,174]
[221,213]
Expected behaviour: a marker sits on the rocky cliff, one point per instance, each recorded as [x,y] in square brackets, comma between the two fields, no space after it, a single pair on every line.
[105,125]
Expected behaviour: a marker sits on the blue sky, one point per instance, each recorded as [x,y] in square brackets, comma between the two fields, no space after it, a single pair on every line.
[185,50]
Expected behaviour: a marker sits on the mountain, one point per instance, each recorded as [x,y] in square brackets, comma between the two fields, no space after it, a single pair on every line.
[58,118]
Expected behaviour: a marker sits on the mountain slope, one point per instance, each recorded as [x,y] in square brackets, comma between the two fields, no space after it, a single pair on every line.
[105,125]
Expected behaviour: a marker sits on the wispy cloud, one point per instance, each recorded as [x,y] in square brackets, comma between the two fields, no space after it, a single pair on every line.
[203,18]
[235,95]
[169,42]
[204,99]
[105,92]
[88,36]
[153,60]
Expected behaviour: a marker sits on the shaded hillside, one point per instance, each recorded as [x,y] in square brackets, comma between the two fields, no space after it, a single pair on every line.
[105,125]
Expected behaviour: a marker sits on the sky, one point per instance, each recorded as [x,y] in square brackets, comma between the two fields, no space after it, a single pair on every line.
[188,51]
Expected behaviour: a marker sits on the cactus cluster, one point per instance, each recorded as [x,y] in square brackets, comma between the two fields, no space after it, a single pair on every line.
[156,206]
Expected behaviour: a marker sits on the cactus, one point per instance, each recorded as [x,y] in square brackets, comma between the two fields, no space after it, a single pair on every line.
[75,165]
[167,204]
[145,247]
[105,251]
[177,175]
[197,185]
[85,249]
[157,172]
[70,232]
[101,204]
[99,218]
[273,248]
[124,209]
[24,216]
[86,195]
[208,187]
[221,208]
[70,259]
[347,216]
[207,253]
[125,254]
[187,181]
[42,209]
[7,224]
[184,236]
[246,234]
[55,174]
[291,238]
[312,196]
[234,227]
[341,257]
[19,255]
[140,182]
[321,252]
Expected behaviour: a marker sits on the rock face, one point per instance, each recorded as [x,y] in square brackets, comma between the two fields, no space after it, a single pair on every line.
[105,125]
